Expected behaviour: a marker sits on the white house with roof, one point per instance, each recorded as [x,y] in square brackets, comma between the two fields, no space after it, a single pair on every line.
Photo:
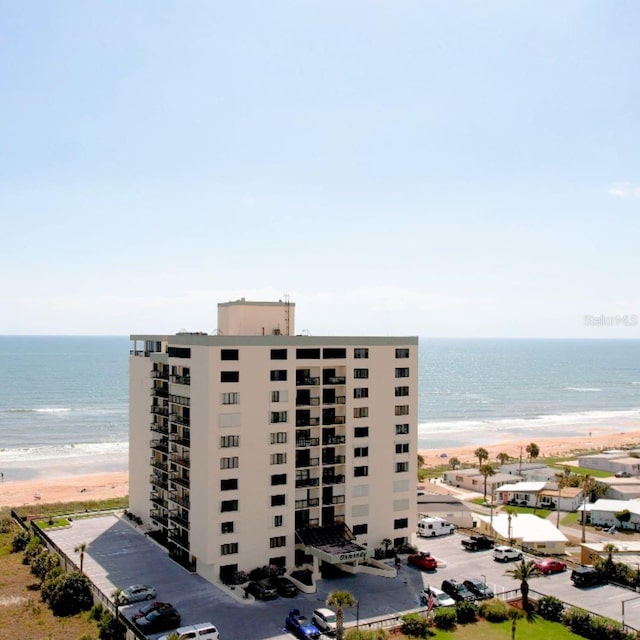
[525,494]
[602,513]
[473,480]
[612,461]
[621,488]
[525,530]
[529,471]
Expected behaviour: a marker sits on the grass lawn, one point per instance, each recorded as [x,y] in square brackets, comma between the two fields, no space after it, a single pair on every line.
[594,473]
[65,508]
[51,523]
[524,631]
[541,513]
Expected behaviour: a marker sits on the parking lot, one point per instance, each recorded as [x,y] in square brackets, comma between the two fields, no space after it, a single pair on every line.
[118,555]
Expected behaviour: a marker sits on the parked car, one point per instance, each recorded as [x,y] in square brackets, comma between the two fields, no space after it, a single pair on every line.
[479,588]
[477,543]
[284,587]
[301,626]
[325,619]
[137,592]
[587,577]
[262,589]
[550,565]
[439,597]
[505,554]
[423,560]
[200,631]
[159,620]
[623,474]
[148,608]
[457,591]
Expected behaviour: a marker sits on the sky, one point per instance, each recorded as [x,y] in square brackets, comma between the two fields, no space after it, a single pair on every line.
[444,169]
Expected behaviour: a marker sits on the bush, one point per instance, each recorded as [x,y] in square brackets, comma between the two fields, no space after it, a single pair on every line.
[466,612]
[445,618]
[20,541]
[414,625]
[110,628]
[33,548]
[579,621]
[44,563]
[550,608]
[95,613]
[494,610]
[361,634]
[6,524]
[68,594]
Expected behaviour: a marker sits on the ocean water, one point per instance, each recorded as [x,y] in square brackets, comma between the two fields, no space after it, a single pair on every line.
[64,400]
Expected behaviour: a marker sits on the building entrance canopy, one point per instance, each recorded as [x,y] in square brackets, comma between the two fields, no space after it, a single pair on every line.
[333,544]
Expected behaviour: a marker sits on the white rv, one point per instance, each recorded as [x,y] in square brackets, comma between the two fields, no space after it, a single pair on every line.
[431,527]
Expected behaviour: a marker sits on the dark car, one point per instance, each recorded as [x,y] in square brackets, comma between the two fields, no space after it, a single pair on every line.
[284,587]
[478,588]
[301,626]
[423,561]
[262,590]
[148,608]
[587,577]
[159,620]
[457,591]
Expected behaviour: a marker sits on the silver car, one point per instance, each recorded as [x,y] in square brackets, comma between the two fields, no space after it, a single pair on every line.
[137,592]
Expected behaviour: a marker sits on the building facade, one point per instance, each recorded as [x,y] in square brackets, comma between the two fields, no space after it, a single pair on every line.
[248,445]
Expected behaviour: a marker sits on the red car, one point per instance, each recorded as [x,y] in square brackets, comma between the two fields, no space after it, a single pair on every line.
[550,565]
[423,561]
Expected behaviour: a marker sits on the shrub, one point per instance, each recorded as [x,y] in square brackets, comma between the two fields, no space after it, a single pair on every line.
[68,594]
[414,625]
[95,613]
[110,629]
[550,608]
[445,618]
[20,540]
[494,610]
[6,524]
[33,548]
[362,634]
[466,612]
[43,563]
[579,621]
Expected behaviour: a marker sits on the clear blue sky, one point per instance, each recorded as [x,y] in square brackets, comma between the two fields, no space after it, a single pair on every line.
[423,168]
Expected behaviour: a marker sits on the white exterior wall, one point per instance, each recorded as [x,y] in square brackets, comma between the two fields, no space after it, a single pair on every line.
[256,318]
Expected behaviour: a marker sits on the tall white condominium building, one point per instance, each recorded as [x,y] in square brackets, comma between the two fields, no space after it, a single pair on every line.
[257,446]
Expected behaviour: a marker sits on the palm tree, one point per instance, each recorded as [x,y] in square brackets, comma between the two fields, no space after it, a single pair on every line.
[563,482]
[81,548]
[514,614]
[487,471]
[420,461]
[533,450]
[339,600]
[503,457]
[454,463]
[587,487]
[386,543]
[482,455]
[524,571]
[610,549]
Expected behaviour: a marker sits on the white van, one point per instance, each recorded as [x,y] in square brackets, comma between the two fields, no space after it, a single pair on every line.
[431,527]
[201,631]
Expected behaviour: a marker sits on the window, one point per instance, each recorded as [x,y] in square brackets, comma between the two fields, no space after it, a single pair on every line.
[402,372]
[229,441]
[278,458]
[401,523]
[360,511]
[401,541]
[278,375]
[360,352]
[402,447]
[360,490]
[229,376]
[228,505]
[227,527]
[401,467]
[278,521]
[333,352]
[279,500]
[229,463]
[229,354]
[231,398]
[179,352]
[228,549]
[279,437]
[361,373]
[361,432]
[228,485]
[361,412]
[361,452]
[402,391]
[361,392]
[278,354]
[402,409]
[359,472]
[360,529]
[279,396]
[402,429]
[278,541]
[402,353]
[308,354]
[278,478]
[278,416]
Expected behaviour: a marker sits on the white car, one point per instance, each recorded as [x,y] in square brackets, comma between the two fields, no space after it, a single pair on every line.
[440,598]
[325,620]
[505,554]
[137,592]
[201,631]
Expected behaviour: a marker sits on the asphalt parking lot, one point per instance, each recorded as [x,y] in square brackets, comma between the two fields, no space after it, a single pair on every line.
[118,555]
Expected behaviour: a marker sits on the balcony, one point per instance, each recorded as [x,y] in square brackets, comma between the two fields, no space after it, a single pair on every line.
[182,500]
[182,440]
[308,402]
[333,440]
[179,520]
[304,443]
[333,500]
[335,400]
[330,420]
[158,464]
[307,422]
[335,380]
[307,462]
[160,445]
[159,428]
[306,504]
[158,517]
[159,481]
[158,500]
[176,535]
[333,460]
[178,419]
[160,375]
[183,482]
[302,483]
[160,411]
[333,479]
[181,379]
[308,382]
[182,461]
[159,392]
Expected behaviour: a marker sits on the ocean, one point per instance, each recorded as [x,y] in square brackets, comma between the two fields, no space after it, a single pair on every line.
[64,400]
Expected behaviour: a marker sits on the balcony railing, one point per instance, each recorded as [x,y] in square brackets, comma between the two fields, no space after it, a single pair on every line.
[158,392]
[333,440]
[183,482]
[160,518]
[333,500]
[307,382]
[329,420]
[160,375]
[308,402]
[336,479]
[309,462]
[179,538]
[182,461]
[158,500]
[161,411]
[183,441]
[160,445]
[307,482]
[159,428]
[183,501]
[158,464]
[336,400]
[179,520]
[181,379]
[178,419]
[158,481]
[335,380]
[307,442]
[305,504]
[307,422]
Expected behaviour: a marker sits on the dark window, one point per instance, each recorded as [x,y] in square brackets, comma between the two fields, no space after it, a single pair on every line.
[278,541]
[179,352]
[229,376]
[400,541]
[359,472]
[278,500]
[402,353]
[361,452]
[278,478]
[361,352]
[402,409]
[402,447]
[361,392]
[227,549]
[229,354]
[402,391]
[278,561]
[360,529]
[278,354]
[402,372]
[401,523]
[361,373]
[227,527]
[361,412]
[361,432]
[332,352]
[229,505]
[402,429]
[308,354]
[401,467]
[228,485]
[279,374]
